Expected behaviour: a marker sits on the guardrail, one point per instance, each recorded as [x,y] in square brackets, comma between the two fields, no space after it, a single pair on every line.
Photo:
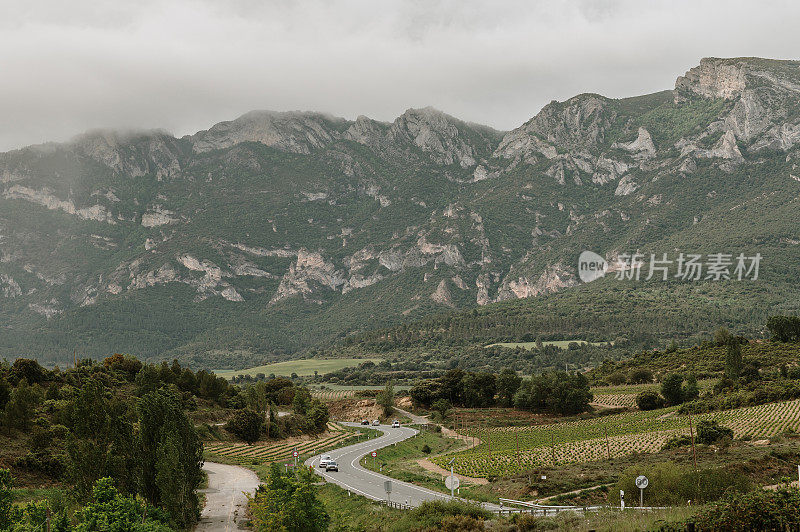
[397,505]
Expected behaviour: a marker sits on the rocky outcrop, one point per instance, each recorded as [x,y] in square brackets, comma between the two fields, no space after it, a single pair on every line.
[158,216]
[294,132]
[640,148]
[713,78]
[308,270]
[579,123]
[436,134]
[45,198]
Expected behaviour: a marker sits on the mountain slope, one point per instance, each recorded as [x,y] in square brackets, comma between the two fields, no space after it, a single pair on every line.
[275,231]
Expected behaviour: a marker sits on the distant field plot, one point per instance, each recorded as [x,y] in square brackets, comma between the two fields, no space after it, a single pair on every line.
[333,392]
[625,395]
[561,344]
[303,368]
[336,436]
[505,451]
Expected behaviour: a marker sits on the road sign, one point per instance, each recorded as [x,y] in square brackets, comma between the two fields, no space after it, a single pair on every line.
[295,454]
[387,486]
[452,482]
[642,482]
[373,454]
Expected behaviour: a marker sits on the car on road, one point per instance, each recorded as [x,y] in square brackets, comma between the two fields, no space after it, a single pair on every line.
[365,421]
[395,424]
[376,422]
[332,466]
[325,460]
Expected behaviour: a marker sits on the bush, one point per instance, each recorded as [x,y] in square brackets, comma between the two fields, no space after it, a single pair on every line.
[672,484]
[245,425]
[709,431]
[435,513]
[640,376]
[649,401]
[617,378]
[757,510]
[676,442]
[426,449]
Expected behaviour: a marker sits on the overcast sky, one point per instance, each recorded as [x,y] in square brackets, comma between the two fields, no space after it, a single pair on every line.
[66,67]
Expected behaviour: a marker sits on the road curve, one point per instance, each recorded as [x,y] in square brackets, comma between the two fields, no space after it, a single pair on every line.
[225,497]
[351,476]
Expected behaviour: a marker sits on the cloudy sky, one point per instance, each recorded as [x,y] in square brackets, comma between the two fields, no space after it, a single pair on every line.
[182,65]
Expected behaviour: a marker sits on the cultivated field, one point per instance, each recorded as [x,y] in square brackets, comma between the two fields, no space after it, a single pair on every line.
[303,368]
[509,450]
[281,451]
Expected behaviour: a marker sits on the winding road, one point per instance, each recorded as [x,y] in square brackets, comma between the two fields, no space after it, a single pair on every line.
[355,478]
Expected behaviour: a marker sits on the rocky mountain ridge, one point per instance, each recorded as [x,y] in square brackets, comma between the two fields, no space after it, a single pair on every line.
[298,212]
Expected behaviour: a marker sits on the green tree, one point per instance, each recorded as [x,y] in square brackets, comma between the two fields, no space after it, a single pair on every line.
[6,499]
[100,442]
[171,456]
[317,416]
[21,407]
[672,389]
[110,510]
[649,400]
[385,399]
[507,385]
[691,390]
[288,503]
[733,361]
[301,401]
[245,425]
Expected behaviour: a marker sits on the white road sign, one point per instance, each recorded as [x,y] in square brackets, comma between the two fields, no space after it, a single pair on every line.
[452,482]
[642,482]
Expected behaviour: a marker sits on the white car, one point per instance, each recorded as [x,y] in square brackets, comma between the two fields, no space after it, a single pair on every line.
[332,466]
[395,424]
[376,422]
[325,460]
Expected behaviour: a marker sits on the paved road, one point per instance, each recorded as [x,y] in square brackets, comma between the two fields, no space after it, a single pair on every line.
[225,497]
[351,476]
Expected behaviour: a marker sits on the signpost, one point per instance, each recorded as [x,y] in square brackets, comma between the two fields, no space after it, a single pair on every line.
[373,454]
[387,486]
[621,500]
[452,482]
[641,483]
[295,454]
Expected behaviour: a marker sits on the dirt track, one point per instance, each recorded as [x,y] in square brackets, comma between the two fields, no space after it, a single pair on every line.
[226,502]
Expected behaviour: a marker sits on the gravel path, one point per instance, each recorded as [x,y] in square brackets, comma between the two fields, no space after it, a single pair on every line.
[226,502]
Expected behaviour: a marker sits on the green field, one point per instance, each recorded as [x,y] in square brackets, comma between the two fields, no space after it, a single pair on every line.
[509,450]
[561,344]
[303,368]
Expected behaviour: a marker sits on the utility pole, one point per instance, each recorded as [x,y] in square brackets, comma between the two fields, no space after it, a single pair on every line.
[691,433]
[519,464]
[608,446]
[553,447]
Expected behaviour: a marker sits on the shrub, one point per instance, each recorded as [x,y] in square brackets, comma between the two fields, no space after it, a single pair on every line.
[617,378]
[757,510]
[435,513]
[640,376]
[245,425]
[649,400]
[672,484]
[709,431]
[677,441]
[426,449]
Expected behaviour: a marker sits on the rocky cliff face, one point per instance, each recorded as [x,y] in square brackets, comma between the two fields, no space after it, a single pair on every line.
[339,218]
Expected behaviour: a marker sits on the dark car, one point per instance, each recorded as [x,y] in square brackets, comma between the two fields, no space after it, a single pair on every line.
[365,421]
